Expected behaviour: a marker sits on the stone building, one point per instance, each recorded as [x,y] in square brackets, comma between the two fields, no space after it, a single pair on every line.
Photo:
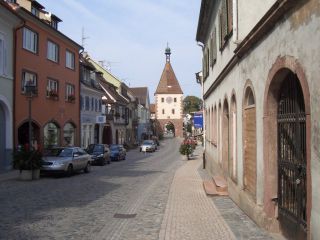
[169,98]
[261,92]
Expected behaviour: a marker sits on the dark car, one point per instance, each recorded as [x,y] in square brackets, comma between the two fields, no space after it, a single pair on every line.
[117,152]
[100,154]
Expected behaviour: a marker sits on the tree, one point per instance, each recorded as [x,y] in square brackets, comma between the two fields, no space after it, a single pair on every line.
[191,104]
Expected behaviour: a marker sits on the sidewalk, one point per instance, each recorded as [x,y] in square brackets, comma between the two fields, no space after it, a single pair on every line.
[8,175]
[191,214]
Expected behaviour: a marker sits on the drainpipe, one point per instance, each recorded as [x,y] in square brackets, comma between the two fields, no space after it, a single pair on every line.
[15,33]
[203,111]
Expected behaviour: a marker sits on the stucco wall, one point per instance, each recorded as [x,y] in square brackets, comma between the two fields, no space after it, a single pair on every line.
[177,106]
[297,38]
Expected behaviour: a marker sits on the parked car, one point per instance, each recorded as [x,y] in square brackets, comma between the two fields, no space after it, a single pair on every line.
[66,160]
[148,146]
[100,154]
[117,152]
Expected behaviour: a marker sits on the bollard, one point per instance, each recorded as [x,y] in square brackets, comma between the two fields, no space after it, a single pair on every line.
[204,160]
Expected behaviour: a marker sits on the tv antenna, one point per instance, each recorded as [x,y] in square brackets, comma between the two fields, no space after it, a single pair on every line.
[83,37]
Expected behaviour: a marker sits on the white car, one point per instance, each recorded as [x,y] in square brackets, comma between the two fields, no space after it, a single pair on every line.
[148,146]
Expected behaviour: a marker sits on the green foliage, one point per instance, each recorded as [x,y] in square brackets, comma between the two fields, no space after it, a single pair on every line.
[170,126]
[27,160]
[191,104]
[185,149]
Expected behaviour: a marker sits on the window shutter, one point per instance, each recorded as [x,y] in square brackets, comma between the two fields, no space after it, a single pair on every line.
[224,19]
[213,47]
[230,16]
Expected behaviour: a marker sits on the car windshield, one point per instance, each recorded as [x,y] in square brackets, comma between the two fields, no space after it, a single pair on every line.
[147,143]
[95,148]
[114,147]
[59,152]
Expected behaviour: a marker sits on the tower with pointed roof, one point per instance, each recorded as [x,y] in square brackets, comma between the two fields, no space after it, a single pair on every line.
[169,98]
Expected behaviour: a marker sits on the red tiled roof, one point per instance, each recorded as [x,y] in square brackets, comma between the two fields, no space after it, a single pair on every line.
[152,108]
[141,93]
[168,82]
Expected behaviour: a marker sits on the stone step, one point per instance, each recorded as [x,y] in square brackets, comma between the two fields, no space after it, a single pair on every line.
[221,183]
[210,188]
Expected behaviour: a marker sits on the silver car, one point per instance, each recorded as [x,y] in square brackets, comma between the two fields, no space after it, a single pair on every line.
[148,146]
[66,159]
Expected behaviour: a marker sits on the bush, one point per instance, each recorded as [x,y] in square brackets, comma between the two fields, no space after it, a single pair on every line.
[24,159]
[186,149]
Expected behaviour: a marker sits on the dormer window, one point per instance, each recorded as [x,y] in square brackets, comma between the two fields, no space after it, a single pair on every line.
[35,11]
[54,24]
[36,8]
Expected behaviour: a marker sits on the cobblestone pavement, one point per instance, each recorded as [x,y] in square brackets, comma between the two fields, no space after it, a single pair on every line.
[95,205]
[190,214]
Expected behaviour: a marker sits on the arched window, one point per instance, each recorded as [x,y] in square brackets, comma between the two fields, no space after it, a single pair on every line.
[249,142]
[51,134]
[69,134]
[214,125]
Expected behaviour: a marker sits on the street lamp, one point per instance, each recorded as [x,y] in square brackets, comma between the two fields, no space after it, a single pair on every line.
[30,91]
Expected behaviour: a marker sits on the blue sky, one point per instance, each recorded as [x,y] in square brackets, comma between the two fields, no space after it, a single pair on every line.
[131,36]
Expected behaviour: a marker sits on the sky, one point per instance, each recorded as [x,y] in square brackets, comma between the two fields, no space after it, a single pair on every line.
[130,36]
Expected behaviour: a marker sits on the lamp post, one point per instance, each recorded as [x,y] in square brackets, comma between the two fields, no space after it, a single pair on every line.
[30,90]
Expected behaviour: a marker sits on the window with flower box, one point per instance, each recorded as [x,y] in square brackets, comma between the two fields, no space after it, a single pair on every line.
[70,93]
[29,80]
[52,88]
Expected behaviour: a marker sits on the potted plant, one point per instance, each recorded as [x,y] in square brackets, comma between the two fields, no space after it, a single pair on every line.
[186,149]
[28,162]
[71,98]
[53,93]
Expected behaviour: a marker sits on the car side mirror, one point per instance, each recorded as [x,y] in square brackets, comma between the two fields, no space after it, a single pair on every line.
[75,155]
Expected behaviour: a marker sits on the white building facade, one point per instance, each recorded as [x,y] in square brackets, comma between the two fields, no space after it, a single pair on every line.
[261,88]
[8,22]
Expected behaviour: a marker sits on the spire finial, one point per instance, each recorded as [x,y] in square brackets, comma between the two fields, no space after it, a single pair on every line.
[167,53]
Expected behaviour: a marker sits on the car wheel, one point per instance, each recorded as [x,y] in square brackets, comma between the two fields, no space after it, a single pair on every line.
[87,169]
[70,170]
[103,162]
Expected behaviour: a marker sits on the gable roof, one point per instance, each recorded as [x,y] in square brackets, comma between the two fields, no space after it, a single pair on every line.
[141,93]
[168,82]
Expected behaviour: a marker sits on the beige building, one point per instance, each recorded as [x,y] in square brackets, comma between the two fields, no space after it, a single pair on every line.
[261,93]
[169,98]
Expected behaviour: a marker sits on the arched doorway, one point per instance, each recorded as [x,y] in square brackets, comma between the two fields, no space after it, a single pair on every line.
[287,148]
[249,138]
[233,139]
[292,164]
[2,137]
[69,134]
[117,136]
[225,137]
[23,134]
[96,133]
[169,129]
[107,135]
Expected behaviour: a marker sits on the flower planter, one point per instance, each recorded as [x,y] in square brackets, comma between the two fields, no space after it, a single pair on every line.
[25,175]
[28,175]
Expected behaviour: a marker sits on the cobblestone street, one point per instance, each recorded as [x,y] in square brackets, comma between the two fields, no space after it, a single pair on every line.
[84,206]
[148,196]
